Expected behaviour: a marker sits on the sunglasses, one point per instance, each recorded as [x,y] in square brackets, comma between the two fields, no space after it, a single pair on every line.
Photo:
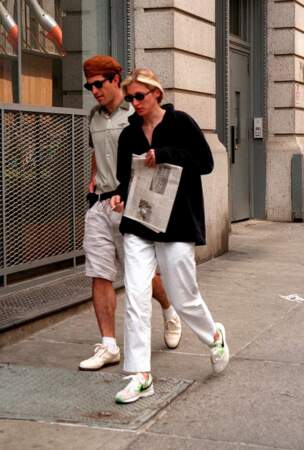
[139,96]
[98,84]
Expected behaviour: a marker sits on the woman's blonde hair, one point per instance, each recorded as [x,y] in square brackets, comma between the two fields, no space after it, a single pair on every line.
[146,77]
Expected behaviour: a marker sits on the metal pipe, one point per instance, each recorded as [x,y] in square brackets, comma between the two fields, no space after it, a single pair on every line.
[19,55]
[73,190]
[47,22]
[10,26]
[3,196]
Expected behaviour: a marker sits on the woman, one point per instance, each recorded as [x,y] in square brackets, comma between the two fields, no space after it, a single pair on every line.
[164,136]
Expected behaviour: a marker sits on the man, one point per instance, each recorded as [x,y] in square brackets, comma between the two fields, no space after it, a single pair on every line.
[102,240]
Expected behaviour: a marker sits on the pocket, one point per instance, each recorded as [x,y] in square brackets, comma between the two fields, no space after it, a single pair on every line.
[116,217]
[92,198]
[91,212]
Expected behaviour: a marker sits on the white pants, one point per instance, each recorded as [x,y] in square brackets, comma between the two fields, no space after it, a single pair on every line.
[178,271]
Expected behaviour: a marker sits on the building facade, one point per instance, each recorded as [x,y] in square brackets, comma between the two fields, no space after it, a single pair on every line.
[237,66]
[285,113]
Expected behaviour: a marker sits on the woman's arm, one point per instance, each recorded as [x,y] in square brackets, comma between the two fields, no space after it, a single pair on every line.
[124,164]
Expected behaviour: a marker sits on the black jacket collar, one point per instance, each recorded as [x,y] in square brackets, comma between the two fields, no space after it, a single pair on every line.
[137,120]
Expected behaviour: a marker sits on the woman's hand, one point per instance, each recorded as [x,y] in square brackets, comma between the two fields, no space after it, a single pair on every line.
[150,158]
[116,204]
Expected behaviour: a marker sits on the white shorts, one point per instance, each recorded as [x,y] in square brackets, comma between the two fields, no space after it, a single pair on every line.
[103,243]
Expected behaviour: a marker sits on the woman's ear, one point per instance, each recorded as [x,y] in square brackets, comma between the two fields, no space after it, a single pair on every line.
[158,94]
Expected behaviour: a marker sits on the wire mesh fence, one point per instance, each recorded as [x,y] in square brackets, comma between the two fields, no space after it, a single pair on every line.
[45,167]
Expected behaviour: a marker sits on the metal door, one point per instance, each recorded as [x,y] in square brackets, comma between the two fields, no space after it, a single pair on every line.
[239,135]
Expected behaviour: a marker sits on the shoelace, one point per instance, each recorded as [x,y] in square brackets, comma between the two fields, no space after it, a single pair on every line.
[169,324]
[99,349]
[135,381]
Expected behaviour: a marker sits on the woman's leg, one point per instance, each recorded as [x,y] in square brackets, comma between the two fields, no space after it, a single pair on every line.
[177,266]
[140,266]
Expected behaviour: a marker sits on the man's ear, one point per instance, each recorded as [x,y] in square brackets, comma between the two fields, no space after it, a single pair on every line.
[116,79]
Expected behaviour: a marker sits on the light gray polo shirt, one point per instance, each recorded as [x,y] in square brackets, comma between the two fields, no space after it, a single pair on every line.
[105,129]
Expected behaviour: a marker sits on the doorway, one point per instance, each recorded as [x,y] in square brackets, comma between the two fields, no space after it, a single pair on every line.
[239,135]
[240,101]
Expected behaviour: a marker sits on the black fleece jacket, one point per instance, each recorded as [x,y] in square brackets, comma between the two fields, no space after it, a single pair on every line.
[178,140]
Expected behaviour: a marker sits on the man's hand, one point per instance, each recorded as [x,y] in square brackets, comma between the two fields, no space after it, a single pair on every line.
[150,158]
[116,204]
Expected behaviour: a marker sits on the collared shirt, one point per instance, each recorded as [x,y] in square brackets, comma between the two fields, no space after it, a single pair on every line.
[105,130]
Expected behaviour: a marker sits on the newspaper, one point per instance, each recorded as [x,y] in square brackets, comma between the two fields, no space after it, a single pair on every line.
[152,192]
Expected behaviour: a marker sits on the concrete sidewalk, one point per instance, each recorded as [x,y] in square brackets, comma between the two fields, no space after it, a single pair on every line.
[258,403]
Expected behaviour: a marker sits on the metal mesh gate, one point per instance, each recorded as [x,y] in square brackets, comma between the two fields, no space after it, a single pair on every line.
[45,170]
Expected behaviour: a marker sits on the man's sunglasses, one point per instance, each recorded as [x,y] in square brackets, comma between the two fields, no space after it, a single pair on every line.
[98,84]
[139,96]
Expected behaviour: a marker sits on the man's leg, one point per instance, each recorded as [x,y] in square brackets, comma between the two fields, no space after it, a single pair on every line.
[173,328]
[104,301]
[159,292]
[100,253]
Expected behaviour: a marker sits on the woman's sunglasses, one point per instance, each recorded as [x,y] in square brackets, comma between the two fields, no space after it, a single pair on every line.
[139,96]
[98,84]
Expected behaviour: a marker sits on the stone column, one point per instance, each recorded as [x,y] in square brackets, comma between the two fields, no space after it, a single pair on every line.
[285,102]
[176,38]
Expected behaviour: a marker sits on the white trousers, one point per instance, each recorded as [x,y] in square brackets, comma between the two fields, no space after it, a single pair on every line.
[178,271]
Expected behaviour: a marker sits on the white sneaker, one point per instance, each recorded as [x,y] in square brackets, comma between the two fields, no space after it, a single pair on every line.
[219,351]
[102,357]
[137,388]
[173,332]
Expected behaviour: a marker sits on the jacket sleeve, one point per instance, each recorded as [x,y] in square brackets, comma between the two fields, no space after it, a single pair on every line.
[189,147]
[124,165]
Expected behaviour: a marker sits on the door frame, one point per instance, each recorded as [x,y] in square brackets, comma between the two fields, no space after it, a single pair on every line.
[257,29]
[239,212]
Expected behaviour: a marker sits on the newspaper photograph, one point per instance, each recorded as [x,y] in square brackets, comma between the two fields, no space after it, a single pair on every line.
[152,192]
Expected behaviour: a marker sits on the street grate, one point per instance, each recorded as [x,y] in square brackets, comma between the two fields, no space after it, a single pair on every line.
[66,396]
[41,300]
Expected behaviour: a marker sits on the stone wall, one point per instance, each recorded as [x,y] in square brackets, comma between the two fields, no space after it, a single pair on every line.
[285,102]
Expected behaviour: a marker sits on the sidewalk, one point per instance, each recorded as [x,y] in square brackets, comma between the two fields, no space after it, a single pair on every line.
[256,404]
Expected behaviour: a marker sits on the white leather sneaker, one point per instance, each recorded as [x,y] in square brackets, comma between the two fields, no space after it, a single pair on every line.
[173,332]
[219,350]
[137,388]
[102,357]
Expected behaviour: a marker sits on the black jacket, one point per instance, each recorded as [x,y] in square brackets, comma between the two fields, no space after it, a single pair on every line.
[177,140]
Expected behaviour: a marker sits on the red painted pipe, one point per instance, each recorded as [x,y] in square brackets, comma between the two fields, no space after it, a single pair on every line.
[47,22]
[10,26]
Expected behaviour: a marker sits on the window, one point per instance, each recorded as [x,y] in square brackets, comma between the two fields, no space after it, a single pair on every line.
[238,18]
[56,37]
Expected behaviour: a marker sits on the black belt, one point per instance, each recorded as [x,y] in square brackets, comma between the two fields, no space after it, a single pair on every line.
[92,198]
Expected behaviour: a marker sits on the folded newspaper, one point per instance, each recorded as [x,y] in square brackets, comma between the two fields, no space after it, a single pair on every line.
[152,192]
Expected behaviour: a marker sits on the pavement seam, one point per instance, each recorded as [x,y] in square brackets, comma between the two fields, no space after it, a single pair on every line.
[162,411]
[269,361]
[291,309]
[206,440]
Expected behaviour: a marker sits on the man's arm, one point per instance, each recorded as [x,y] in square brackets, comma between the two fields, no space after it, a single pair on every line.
[93,173]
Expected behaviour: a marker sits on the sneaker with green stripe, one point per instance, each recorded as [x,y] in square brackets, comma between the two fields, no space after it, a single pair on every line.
[219,350]
[137,388]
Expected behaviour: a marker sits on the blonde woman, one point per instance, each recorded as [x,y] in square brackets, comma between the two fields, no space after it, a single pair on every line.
[164,136]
